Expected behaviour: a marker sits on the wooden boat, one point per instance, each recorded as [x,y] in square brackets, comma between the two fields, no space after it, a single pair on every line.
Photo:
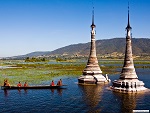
[33,87]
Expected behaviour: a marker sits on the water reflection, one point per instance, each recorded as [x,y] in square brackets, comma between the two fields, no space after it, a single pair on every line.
[19,90]
[5,93]
[59,91]
[127,101]
[92,96]
[52,90]
[25,91]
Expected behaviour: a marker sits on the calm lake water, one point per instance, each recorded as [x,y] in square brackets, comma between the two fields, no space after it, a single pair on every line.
[76,98]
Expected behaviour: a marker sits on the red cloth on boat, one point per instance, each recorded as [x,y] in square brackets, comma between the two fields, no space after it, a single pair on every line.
[59,83]
[19,85]
[25,85]
[52,84]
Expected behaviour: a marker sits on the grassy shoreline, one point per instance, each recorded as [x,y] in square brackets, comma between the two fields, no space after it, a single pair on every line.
[36,73]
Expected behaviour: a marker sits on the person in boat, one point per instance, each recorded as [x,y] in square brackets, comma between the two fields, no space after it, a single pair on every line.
[59,83]
[19,84]
[6,83]
[52,83]
[25,84]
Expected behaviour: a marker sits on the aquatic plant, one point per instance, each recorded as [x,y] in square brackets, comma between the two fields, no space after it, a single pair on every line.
[36,73]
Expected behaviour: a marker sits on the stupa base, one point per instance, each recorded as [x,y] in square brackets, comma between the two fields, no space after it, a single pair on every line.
[128,86]
[92,79]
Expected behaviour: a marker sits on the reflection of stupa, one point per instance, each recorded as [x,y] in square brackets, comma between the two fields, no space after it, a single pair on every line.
[92,73]
[92,96]
[128,80]
[127,102]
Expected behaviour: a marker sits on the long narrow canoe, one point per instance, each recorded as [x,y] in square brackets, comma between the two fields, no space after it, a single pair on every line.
[33,87]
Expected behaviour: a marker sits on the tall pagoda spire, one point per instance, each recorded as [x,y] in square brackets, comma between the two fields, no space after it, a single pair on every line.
[128,70]
[92,72]
[128,25]
[93,25]
[128,81]
[93,44]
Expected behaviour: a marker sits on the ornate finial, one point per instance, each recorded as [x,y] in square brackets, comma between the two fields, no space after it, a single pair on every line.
[128,26]
[93,25]
[93,16]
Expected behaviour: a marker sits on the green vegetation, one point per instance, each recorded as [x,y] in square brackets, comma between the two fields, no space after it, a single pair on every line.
[60,59]
[38,73]
[33,59]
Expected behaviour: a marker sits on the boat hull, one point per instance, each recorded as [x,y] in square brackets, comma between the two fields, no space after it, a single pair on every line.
[32,87]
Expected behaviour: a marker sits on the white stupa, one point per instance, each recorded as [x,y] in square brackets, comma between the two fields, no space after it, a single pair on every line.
[128,81]
[92,73]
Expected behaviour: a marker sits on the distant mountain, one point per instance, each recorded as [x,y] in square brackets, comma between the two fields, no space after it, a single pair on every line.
[37,53]
[106,46]
[32,54]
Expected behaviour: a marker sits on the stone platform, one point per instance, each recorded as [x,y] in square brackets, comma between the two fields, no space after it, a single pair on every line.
[128,85]
[93,79]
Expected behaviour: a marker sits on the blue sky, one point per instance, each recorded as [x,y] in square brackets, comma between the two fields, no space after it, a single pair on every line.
[45,25]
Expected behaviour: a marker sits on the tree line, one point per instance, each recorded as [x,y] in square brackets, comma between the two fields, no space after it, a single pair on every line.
[33,59]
